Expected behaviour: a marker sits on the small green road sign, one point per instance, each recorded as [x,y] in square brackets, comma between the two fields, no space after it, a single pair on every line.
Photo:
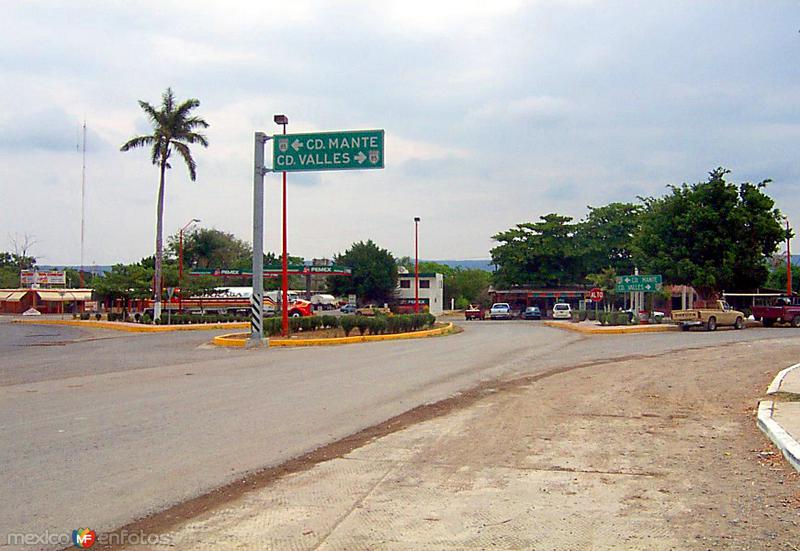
[342,150]
[637,283]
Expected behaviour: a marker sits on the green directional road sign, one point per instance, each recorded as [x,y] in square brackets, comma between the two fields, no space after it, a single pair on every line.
[635,283]
[343,150]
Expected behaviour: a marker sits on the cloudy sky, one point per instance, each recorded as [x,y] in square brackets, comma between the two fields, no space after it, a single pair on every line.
[495,113]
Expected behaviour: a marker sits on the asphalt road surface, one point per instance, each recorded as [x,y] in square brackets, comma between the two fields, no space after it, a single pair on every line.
[100,428]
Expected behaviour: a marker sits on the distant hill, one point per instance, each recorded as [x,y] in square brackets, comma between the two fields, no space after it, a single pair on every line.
[91,269]
[468,264]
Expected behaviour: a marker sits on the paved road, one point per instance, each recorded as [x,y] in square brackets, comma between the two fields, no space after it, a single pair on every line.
[90,435]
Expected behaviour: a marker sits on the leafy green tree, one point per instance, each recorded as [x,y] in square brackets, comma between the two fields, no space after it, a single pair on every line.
[211,248]
[538,253]
[713,235]
[777,278]
[174,129]
[374,277]
[132,281]
[10,266]
[604,238]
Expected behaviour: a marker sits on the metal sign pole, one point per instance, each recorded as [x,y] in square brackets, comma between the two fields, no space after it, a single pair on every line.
[257,296]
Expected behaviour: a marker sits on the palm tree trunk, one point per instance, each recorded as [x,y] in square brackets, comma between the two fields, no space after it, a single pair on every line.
[159,247]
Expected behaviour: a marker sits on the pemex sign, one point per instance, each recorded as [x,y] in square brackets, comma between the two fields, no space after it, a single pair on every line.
[341,150]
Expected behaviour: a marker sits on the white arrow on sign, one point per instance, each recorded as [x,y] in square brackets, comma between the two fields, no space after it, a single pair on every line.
[627,280]
[360,157]
[647,286]
[296,144]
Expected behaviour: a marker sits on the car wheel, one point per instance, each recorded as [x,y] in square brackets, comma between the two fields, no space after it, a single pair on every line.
[711,324]
[295,314]
[767,322]
[739,323]
[684,327]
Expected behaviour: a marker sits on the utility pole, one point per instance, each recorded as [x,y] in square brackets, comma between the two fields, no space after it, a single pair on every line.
[83,203]
[257,296]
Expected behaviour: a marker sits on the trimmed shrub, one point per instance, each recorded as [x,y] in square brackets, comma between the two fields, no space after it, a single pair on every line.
[377,325]
[362,322]
[347,323]
[430,319]
[331,322]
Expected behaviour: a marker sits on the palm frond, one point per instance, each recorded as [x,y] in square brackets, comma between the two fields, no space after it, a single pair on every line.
[183,151]
[194,122]
[168,101]
[151,112]
[193,137]
[183,109]
[138,141]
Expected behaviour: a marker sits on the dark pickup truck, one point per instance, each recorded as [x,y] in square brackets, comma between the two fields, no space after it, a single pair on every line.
[780,311]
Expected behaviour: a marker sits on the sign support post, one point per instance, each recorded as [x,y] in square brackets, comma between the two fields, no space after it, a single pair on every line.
[257,296]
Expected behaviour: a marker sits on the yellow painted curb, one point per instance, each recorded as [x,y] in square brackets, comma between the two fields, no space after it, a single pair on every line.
[614,330]
[240,339]
[137,328]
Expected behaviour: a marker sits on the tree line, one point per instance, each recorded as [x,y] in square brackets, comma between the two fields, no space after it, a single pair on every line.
[714,235]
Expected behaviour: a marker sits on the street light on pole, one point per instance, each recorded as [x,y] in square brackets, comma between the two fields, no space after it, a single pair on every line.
[416,264]
[283,120]
[180,262]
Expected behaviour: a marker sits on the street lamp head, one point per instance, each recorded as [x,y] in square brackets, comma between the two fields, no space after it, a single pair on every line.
[196,220]
[281,119]
[416,219]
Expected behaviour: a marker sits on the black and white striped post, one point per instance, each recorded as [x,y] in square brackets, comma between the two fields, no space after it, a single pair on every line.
[257,296]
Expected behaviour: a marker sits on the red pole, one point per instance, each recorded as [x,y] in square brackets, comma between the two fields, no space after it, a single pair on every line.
[180,274]
[788,262]
[285,267]
[416,265]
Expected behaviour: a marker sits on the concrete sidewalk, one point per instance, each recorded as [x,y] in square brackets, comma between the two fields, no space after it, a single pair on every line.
[780,418]
[632,454]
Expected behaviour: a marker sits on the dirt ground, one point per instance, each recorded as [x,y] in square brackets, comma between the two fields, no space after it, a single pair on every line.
[647,453]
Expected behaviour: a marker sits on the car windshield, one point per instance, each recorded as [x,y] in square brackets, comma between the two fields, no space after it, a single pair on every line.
[500,305]
[561,307]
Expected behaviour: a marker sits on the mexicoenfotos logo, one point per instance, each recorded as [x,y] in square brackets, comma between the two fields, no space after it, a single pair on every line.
[83,538]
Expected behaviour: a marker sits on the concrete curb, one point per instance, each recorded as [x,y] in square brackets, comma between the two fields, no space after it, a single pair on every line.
[782,439]
[137,328]
[238,340]
[569,326]
[775,385]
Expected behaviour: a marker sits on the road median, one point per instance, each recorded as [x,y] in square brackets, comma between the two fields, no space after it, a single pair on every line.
[239,340]
[136,327]
[609,329]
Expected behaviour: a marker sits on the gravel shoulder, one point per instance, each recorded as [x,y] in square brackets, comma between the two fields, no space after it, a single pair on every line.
[646,453]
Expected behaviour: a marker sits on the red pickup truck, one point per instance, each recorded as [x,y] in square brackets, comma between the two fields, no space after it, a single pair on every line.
[781,310]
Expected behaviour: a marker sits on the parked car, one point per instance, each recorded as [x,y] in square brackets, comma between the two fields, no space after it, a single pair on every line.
[500,311]
[562,311]
[348,309]
[474,313]
[532,313]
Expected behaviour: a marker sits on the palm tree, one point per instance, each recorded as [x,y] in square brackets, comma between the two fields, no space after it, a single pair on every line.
[173,129]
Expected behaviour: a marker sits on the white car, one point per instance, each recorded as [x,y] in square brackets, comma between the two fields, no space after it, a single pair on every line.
[500,311]
[562,311]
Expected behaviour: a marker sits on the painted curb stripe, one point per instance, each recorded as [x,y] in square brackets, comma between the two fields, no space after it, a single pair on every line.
[238,340]
[134,329]
[616,331]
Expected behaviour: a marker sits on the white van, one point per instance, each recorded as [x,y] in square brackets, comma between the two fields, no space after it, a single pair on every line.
[562,311]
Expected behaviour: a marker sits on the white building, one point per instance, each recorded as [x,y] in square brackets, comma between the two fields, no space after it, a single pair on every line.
[431,291]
